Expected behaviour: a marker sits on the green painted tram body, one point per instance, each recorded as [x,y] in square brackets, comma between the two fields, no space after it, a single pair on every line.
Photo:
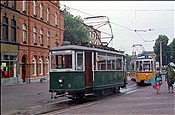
[76,80]
[73,81]
[78,71]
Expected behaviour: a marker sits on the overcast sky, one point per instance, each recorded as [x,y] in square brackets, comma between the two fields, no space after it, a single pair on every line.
[127,16]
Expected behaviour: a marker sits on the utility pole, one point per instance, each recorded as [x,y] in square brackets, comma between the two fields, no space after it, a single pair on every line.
[160,55]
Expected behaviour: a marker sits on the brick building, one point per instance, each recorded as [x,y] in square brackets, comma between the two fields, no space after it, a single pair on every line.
[28,30]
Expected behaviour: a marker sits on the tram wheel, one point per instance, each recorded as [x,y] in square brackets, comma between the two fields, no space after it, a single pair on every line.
[116,90]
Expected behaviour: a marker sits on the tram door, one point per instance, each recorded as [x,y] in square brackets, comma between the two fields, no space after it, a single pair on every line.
[88,69]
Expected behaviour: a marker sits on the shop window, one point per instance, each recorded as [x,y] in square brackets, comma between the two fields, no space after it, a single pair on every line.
[8,66]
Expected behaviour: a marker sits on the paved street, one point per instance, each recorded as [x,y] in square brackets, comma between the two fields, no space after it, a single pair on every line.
[25,96]
[142,100]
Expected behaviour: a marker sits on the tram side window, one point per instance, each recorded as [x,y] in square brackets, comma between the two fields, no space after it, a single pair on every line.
[79,61]
[132,66]
[101,63]
[61,61]
[119,64]
[110,62]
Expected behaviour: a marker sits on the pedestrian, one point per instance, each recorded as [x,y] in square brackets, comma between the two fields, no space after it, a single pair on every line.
[158,80]
[170,78]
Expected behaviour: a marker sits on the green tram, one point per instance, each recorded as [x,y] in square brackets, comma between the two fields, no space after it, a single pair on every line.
[80,71]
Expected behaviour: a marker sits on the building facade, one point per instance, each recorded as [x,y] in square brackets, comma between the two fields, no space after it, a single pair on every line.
[28,30]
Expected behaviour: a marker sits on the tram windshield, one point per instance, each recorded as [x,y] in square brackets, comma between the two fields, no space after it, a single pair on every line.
[61,59]
[144,65]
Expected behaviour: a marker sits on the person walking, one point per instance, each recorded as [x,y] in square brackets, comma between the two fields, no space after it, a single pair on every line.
[158,80]
[170,78]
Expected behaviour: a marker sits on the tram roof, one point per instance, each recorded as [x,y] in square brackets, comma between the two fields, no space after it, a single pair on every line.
[84,48]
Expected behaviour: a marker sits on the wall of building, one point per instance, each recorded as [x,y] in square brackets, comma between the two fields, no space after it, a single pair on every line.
[31,56]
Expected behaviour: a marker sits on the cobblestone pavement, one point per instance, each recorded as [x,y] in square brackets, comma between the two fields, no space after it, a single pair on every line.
[144,101]
[25,96]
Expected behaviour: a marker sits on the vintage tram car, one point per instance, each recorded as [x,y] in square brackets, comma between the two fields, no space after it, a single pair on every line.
[80,71]
[142,69]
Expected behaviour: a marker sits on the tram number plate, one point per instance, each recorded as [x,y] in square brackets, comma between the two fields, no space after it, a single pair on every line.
[146,81]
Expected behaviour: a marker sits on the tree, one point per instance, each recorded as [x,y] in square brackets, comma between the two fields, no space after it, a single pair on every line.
[165,49]
[128,60]
[172,51]
[74,31]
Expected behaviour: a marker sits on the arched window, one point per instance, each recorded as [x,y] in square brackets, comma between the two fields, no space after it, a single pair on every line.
[24,5]
[34,65]
[13,30]
[48,38]
[41,65]
[41,11]
[34,7]
[24,33]
[34,35]
[56,19]
[41,36]
[48,14]
[47,66]
[5,28]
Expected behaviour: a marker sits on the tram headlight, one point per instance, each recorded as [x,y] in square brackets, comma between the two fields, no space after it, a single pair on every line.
[61,79]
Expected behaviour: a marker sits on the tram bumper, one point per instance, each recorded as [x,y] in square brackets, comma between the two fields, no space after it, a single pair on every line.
[147,81]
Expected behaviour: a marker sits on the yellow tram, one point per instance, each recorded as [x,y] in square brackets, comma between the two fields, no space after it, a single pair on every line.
[142,69]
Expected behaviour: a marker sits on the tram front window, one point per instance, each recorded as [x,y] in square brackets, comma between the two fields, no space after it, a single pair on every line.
[146,67]
[61,60]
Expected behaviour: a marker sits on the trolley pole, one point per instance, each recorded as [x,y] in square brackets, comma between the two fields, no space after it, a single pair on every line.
[160,55]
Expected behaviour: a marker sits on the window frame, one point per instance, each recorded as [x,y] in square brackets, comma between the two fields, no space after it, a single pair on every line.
[34,7]
[24,5]
[5,28]
[13,30]
[35,35]
[41,10]
[24,32]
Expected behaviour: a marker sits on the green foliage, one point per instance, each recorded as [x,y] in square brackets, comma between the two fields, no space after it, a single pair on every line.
[172,51]
[128,60]
[74,31]
[168,51]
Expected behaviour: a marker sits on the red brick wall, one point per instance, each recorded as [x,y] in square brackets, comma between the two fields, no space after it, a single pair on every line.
[29,49]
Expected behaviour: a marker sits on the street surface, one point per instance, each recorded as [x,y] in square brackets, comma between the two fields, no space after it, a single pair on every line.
[141,101]
[34,98]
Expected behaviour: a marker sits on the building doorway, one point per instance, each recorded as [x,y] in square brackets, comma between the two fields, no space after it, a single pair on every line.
[23,68]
